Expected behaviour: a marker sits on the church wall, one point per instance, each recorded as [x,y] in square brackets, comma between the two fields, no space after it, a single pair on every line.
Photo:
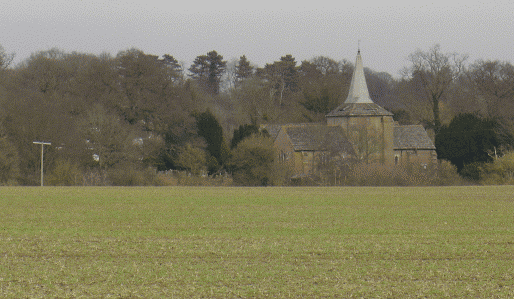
[388,127]
[376,130]
[305,162]
[285,150]
[420,156]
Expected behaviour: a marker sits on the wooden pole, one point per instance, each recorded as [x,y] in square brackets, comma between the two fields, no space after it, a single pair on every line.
[42,145]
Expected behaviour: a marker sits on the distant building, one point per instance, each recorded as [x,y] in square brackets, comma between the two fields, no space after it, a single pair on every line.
[357,130]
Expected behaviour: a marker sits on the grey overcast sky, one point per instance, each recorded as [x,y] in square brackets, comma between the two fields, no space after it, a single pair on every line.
[262,30]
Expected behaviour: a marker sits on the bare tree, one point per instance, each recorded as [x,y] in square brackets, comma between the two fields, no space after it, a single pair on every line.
[436,71]
[494,81]
[229,78]
[5,58]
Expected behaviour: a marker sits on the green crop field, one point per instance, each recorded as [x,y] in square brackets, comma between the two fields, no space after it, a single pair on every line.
[179,242]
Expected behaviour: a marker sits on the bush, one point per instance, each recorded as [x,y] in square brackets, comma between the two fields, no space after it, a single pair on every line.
[472,171]
[184,178]
[500,172]
[9,163]
[64,173]
[252,162]
[192,159]
[377,174]
[129,175]
[446,174]
[243,132]
[94,177]
[10,182]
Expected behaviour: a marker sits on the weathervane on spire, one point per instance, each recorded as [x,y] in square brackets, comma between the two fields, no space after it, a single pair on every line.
[359,46]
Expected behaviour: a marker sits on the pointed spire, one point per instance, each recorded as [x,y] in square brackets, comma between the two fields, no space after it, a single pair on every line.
[358,88]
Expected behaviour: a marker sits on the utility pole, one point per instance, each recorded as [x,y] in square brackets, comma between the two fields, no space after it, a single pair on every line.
[42,145]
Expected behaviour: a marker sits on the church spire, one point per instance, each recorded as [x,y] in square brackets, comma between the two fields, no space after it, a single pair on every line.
[358,88]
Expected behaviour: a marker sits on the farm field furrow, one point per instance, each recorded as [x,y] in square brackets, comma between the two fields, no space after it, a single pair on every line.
[181,242]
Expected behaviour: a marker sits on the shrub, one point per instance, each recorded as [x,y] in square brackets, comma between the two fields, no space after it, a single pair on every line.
[446,174]
[94,177]
[184,178]
[130,175]
[9,162]
[378,174]
[243,132]
[252,162]
[192,159]
[472,171]
[500,172]
[64,173]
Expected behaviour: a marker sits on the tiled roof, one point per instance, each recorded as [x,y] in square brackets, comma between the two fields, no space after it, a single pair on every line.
[412,137]
[319,138]
[274,130]
[359,109]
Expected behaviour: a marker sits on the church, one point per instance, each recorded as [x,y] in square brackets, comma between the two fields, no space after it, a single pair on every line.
[358,130]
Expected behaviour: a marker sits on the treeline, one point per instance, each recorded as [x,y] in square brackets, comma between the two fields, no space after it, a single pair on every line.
[119,120]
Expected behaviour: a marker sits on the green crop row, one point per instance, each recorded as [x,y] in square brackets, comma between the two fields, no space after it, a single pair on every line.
[179,242]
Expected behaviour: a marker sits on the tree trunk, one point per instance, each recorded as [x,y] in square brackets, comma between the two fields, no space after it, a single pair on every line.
[282,92]
[435,107]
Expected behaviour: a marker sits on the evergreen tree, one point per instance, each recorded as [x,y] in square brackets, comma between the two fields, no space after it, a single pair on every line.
[207,70]
[469,139]
[242,132]
[173,66]
[243,69]
[289,72]
[210,129]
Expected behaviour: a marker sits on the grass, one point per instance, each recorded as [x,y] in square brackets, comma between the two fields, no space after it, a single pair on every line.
[256,242]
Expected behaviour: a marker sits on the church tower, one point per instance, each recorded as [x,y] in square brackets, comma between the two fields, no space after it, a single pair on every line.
[368,126]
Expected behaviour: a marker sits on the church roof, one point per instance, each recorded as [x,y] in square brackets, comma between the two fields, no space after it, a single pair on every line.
[319,138]
[358,109]
[274,129]
[411,137]
[358,88]
[358,102]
